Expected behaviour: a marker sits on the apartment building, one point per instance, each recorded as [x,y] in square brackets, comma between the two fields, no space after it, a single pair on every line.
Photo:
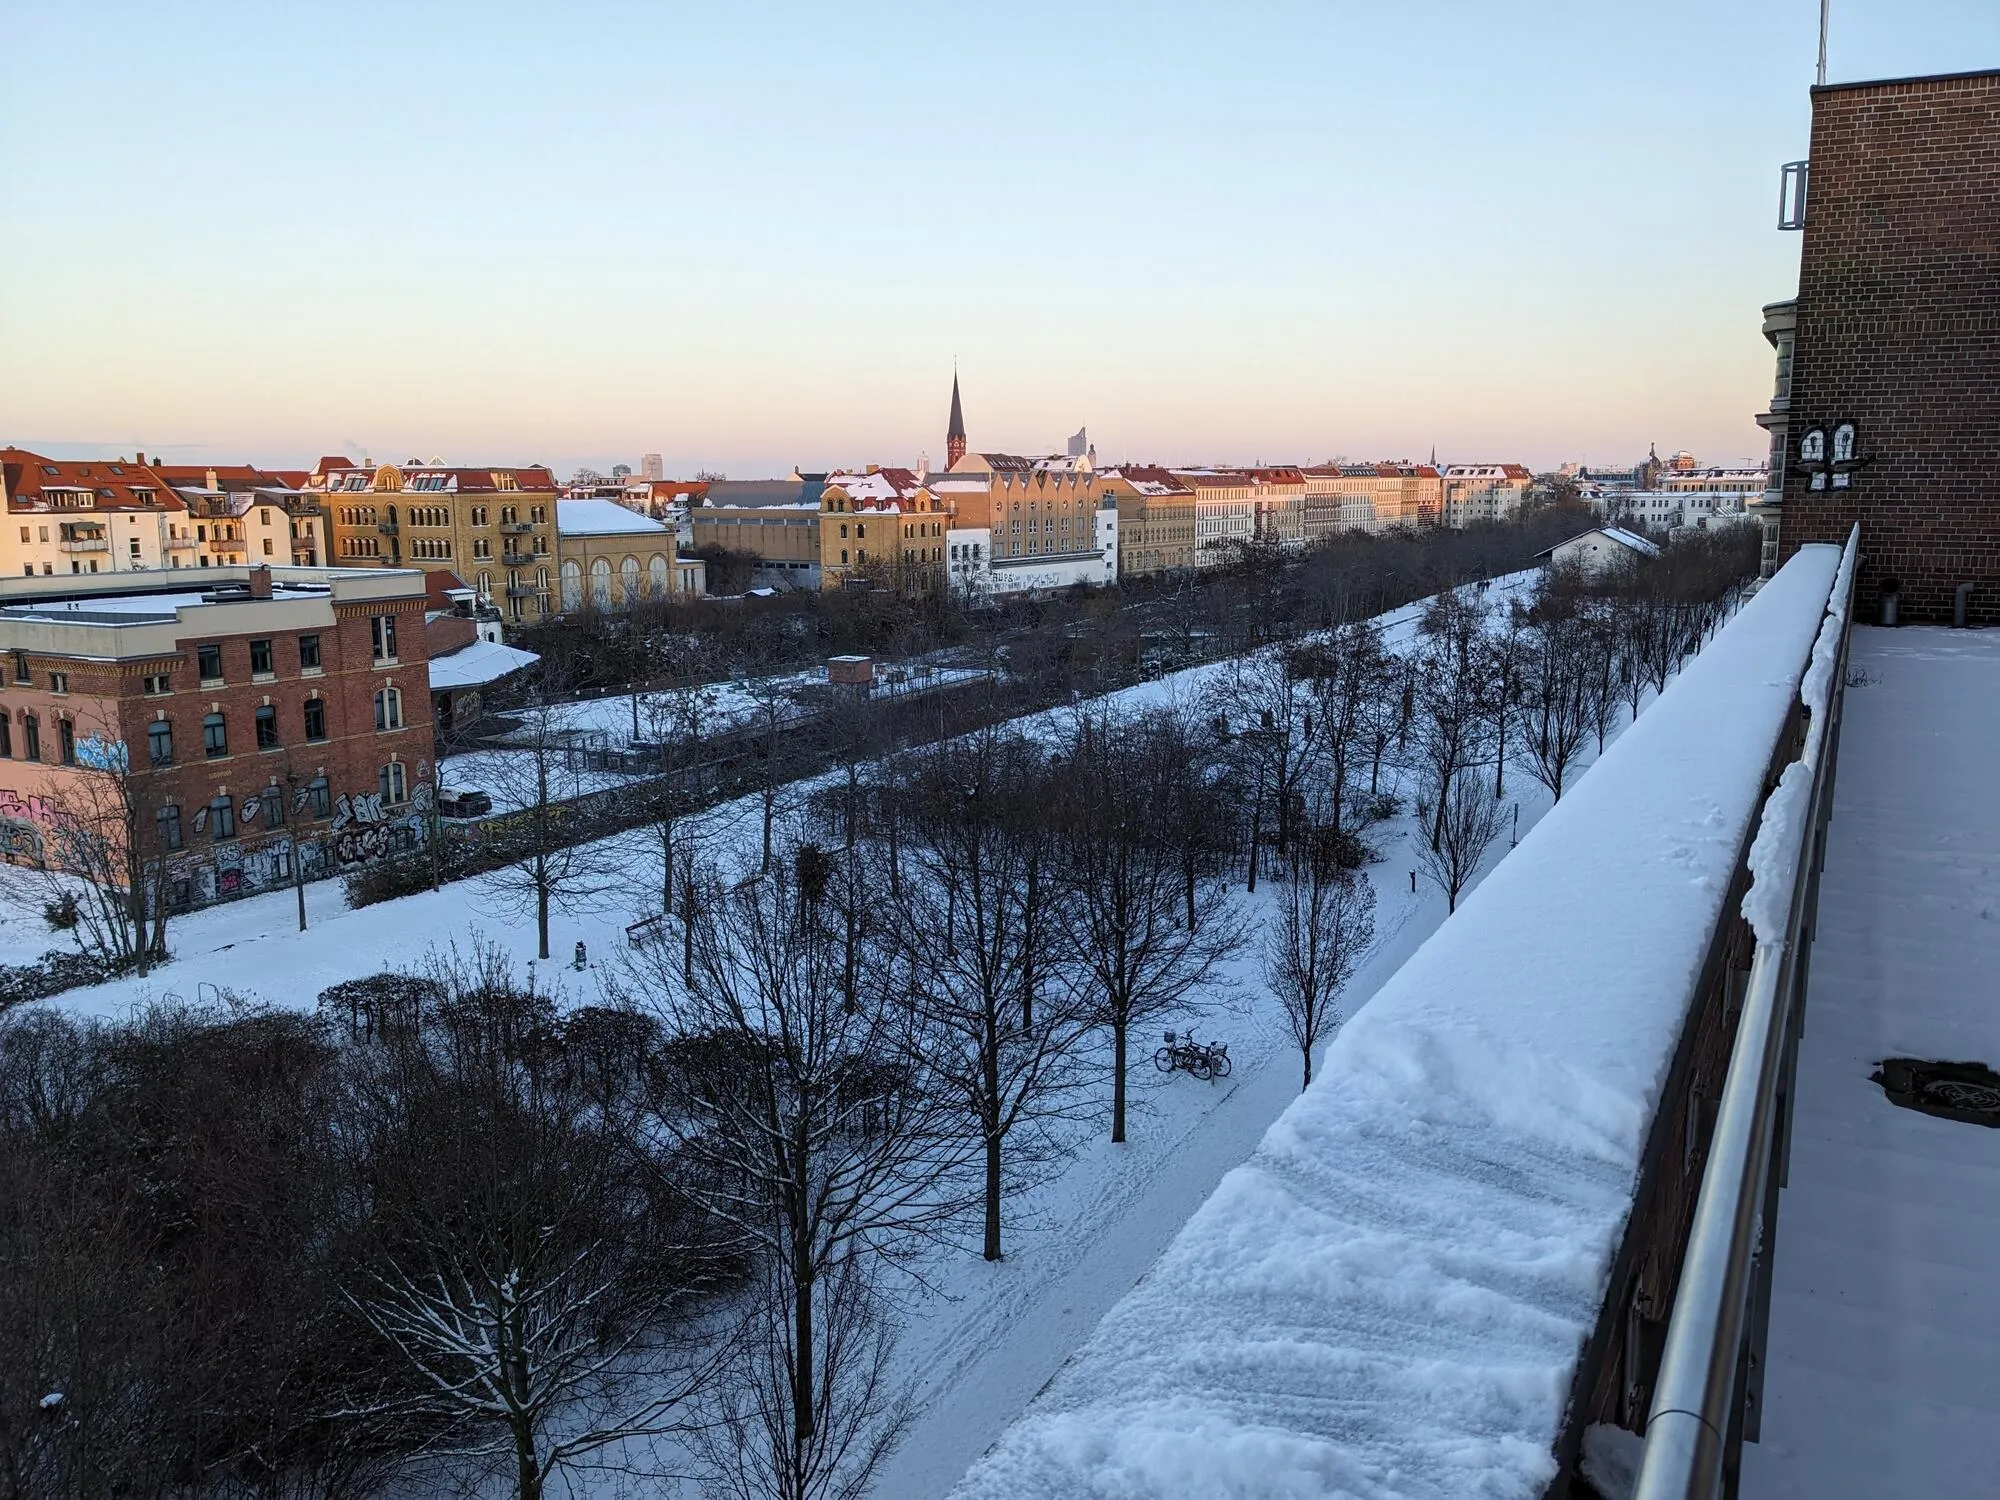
[494,527]
[1156,521]
[243,516]
[1484,492]
[255,710]
[1025,525]
[1371,497]
[884,524]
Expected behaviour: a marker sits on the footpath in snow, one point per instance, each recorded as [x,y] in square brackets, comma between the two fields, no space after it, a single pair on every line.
[1390,1296]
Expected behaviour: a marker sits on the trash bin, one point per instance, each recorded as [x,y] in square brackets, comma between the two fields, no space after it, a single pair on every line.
[1892,591]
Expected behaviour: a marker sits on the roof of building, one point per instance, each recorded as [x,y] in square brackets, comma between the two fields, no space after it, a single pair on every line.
[1618,534]
[1149,479]
[478,664]
[604,518]
[956,427]
[756,493]
[438,478]
[882,488]
[1487,471]
[34,483]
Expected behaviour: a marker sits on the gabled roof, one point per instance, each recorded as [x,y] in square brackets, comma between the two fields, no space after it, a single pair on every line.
[1627,539]
[35,483]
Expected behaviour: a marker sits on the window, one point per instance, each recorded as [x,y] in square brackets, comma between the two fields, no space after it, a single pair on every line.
[263,518]
[315,718]
[392,785]
[160,742]
[274,802]
[222,819]
[382,637]
[66,741]
[267,546]
[389,709]
[214,736]
[260,658]
[6,738]
[308,653]
[21,669]
[267,728]
[478,515]
[169,820]
[319,798]
[31,737]
[59,682]
[210,660]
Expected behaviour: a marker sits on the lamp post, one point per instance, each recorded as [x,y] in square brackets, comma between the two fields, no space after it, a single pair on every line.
[298,847]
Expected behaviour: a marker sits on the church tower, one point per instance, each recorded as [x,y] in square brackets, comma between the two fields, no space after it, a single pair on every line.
[954,435]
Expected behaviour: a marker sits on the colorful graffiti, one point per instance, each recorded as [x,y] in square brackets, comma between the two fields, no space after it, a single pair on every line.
[21,805]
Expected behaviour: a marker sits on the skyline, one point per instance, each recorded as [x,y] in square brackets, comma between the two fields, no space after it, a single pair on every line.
[1279,233]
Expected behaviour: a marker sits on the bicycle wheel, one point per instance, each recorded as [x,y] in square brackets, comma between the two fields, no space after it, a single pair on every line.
[1164,1059]
[1200,1068]
[1218,1063]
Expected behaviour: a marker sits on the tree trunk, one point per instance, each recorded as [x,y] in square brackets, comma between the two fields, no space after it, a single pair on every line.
[528,1473]
[1118,1029]
[803,1423]
[542,904]
[1030,913]
[1256,837]
[1307,1051]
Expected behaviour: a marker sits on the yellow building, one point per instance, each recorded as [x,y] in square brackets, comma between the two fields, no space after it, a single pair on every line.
[775,521]
[1370,497]
[1156,521]
[884,524]
[494,528]
[613,558]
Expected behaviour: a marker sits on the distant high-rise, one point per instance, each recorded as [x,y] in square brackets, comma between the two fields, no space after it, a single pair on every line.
[954,434]
[650,466]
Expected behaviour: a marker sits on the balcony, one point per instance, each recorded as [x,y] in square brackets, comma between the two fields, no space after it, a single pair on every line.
[85,544]
[517,559]
[517,528]
[520,590]
[387,528]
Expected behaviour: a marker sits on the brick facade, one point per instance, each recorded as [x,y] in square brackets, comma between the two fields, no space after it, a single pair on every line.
[1899,332]
[326,757]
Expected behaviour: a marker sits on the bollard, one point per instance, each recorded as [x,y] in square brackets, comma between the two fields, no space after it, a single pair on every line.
[1961,604]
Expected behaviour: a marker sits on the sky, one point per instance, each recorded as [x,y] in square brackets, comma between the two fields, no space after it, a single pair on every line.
[755,236]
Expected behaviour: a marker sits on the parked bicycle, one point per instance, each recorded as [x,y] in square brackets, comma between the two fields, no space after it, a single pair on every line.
[1206,1060]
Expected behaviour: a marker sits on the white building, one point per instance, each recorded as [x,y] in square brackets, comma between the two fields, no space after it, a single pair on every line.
[1599,550]
[1483,492]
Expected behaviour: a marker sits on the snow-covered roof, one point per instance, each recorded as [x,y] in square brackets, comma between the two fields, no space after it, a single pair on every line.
[478,664]
[1617,534]
[1487,471]
[603,518]
[1392,1295]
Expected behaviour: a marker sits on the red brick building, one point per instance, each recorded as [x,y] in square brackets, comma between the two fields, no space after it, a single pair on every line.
[1894,417]
[253,707]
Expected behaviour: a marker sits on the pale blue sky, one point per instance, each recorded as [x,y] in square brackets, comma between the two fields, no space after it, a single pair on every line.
[756,235]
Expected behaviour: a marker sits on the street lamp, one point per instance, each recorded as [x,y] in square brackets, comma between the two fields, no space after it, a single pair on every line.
[298,848]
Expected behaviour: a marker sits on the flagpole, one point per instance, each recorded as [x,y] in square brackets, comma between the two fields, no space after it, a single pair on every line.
[1823,4]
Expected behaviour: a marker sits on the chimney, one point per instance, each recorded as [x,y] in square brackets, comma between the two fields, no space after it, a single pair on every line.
[211,480]
[260,581]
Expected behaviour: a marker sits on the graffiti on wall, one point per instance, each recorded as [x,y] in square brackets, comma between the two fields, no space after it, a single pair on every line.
[26,807]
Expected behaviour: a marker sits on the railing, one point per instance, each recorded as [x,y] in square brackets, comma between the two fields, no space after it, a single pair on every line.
[1707,1399]
[85,544]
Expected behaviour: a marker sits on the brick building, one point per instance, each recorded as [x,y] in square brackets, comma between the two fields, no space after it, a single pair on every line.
[1893,417]
[248,704]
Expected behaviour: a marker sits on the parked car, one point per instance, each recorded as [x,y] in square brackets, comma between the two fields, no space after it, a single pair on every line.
[468,802]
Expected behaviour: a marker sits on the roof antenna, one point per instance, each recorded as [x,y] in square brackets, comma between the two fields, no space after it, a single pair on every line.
[1823,5]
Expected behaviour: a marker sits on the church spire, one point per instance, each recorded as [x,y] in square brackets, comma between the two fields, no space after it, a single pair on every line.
[954,434]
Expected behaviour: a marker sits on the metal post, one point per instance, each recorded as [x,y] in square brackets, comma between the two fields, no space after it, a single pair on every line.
[1820,78]
[298,848]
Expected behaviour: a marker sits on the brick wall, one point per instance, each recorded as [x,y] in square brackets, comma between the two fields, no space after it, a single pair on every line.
[1899,330]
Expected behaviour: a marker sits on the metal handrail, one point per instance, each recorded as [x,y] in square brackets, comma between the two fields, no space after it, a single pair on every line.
[1696,1399]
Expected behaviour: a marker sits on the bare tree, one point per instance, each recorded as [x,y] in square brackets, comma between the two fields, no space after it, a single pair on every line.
[808,1126]
[1350,675]
[968,935]
[1467,821]
[554,862]
[752,1442]
[1557,698]
[1123,886]
[1324,926]
[101,867]
[1265,703]
[1452,689]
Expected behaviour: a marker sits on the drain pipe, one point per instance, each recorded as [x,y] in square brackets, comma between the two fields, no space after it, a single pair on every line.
[1961,601]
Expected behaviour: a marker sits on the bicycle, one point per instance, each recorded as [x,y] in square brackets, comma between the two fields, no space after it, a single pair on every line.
[1206,1060]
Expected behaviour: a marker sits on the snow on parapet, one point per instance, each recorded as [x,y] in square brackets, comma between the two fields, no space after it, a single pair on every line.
[1774,854]
[1391,1296]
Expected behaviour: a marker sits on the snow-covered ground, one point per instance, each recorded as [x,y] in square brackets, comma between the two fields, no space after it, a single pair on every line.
[1883,1366]
[1389,1297]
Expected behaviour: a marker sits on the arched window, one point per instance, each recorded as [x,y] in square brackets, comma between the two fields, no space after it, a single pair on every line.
[160,742]
[628,579]
[600,583]
[392,784]
[31,737]
[572,585]
[6,737]
[389,708]
[214,736]
[657,569]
